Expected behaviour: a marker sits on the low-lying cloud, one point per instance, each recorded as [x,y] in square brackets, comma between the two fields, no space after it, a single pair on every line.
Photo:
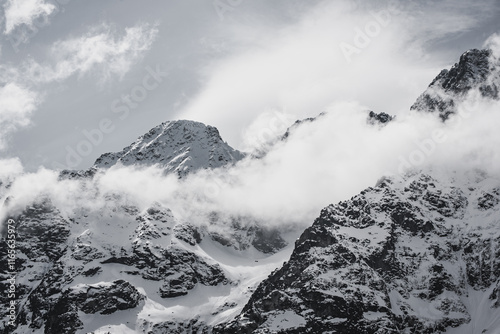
[253,95]
[321,162]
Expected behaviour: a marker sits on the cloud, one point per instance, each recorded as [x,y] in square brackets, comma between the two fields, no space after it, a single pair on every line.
[430,21]
[17,103]
[336,157]
[296,70]
[10,168]
[493,43]
[19,12]
[321,162]
[302,67]
[266,129]
[471,140]
[102,51]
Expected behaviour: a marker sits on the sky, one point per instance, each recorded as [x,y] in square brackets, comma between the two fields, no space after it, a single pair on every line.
[89,77]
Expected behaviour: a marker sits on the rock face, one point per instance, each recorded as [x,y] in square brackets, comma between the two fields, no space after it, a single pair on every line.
[94,261]
[102,298]
[242,233]
[106,259]
[408,256]
[476,69]
[380,118]
[179,147]
[58,261]
[417,254]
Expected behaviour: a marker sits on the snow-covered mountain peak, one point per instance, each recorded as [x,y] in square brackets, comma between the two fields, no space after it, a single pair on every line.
[476,69]
[177,146]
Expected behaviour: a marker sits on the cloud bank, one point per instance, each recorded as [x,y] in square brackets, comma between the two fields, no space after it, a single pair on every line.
[294,72]
[376,54]
[321,162]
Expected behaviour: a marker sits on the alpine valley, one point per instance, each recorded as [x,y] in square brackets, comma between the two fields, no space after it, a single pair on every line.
[417,252]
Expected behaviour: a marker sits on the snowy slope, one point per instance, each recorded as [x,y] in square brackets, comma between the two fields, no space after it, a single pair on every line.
[119,266]
[177,146]
[134,268]
[416,254]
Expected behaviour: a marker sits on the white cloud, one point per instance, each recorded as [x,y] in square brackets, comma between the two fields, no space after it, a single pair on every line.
[299,69]
[266,129]
[16,105]
[18,12]
[332,159]
[493,43]
[322,162]
[102,51]
[9,168]
[302,68]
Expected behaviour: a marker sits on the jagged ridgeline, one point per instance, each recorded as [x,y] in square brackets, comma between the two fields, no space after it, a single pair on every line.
[413,254]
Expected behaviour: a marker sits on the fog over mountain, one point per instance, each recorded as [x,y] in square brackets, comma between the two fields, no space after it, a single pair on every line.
[275,168]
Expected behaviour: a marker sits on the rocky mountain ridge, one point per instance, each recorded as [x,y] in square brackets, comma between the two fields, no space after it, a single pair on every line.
[70,269]
[406,256]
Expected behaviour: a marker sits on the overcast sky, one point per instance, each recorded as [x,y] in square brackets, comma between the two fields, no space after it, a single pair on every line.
[111,70]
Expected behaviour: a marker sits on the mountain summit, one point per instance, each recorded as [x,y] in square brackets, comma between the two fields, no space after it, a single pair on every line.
[177,146]
[476,69]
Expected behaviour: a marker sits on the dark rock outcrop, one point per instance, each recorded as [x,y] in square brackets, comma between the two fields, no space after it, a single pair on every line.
[476,69]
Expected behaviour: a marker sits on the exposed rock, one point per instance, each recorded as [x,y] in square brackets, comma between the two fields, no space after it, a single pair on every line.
[178,147]
[370,264]
[380,118]
[476,69]
[101,298]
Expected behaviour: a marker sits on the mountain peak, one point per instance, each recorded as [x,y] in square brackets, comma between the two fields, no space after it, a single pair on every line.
[180,146]
[476,69]
[380,118]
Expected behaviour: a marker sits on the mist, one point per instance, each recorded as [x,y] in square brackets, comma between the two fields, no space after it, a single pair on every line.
[321,162]
[380,55]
